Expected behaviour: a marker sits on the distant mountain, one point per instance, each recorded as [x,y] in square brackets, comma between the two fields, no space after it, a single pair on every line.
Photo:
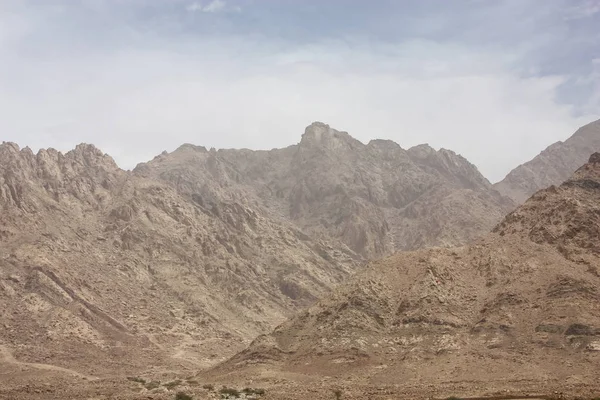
[552,166]
[375,198]
[517,310]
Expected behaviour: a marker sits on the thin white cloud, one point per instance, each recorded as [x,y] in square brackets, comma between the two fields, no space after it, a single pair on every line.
[193,7]
[585,10]
[212,7]
[215,6]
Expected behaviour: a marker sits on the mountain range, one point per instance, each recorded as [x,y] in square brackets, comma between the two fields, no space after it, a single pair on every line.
[183,262]
[515,311]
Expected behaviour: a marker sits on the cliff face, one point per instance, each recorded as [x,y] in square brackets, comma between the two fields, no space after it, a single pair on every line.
[552,166]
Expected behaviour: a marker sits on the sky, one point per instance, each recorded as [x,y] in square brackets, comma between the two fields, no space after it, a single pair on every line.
[496,81]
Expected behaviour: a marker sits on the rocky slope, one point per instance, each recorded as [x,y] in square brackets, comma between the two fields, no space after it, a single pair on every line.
[516,311]
[180,263]
[375,198]
[552,166]
[96,263]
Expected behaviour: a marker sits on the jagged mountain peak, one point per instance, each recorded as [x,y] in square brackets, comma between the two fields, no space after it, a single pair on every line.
[9,146]
[191,147]
[85,154]
[321,135]
[90,155]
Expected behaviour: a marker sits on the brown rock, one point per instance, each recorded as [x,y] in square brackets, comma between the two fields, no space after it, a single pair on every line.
[517,309]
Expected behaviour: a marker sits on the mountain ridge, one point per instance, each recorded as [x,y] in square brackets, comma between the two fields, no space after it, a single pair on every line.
[516,310]
[328,171]
[197,243]
[553,165]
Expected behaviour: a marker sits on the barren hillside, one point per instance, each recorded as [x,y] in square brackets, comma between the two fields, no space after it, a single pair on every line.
[517,311]
[106,262]
[181,263]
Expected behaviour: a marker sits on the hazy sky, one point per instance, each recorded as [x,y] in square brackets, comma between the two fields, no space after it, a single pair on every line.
[496,81]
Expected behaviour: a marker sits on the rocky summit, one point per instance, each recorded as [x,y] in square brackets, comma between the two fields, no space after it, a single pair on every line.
[374,199]
[515,313]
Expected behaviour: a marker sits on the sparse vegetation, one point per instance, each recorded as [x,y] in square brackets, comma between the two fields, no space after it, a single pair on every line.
[136,379]
[229,392]
[171,385]
[183,396]
[210,387]
[152,385]
[453,398]
[338,394]
[192,382]
[251,391]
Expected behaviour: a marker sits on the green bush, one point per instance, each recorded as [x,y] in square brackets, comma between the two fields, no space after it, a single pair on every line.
[258,392]
[229,392]
[152,385]
[171,385]
[136,379]
[183,396]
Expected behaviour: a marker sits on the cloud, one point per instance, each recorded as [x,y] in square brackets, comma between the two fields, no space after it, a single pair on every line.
[155,83]
[212,7]
[195,6]
[586,9]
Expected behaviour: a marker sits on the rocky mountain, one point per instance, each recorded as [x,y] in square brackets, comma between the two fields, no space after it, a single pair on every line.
[375,198]
[517,311]
[98,266]
[180,263]
[552,166]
